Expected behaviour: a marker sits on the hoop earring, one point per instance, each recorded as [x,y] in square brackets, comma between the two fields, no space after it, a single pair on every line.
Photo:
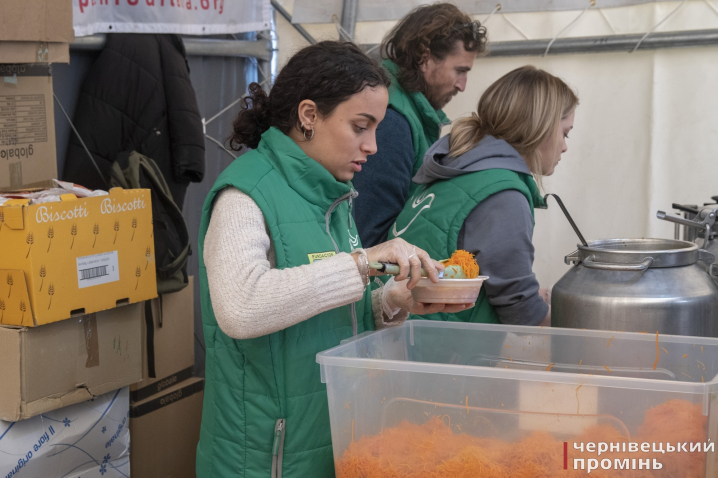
[304,133]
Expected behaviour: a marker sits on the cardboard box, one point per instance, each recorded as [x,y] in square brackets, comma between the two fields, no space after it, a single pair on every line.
[74,257]
[35,31]
[36,20]
[57,365]
[173,343]
[86,440]
[27,125]
[34,52]
[164,431]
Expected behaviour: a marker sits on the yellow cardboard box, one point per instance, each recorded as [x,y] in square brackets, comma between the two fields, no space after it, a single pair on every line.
[74,257]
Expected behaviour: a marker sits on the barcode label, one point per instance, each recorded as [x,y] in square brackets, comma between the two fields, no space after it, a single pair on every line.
[92,273]
[97,269]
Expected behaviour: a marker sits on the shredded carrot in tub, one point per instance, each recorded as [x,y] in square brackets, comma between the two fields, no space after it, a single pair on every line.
[466,261]
[434,450]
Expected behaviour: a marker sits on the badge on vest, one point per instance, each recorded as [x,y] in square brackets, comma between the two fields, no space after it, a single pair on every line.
[318,256]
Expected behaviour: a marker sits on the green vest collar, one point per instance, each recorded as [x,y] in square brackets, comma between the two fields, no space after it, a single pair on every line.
[538,201]
[430,118]
[303,174]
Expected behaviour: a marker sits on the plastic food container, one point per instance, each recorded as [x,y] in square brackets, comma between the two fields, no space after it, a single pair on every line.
[521,390]
[447,291]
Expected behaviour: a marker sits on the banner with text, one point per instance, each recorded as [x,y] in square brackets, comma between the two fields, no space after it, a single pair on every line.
[189,17]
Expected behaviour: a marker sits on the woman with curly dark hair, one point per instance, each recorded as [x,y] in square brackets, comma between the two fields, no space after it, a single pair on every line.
[282,272]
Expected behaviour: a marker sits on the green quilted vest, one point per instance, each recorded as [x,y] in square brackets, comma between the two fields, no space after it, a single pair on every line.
[434,215]
[265,410]
[425,122]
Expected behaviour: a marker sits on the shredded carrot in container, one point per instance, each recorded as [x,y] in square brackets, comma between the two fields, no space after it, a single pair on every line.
[609,370]
[550,366]
[466,261]
[434,450]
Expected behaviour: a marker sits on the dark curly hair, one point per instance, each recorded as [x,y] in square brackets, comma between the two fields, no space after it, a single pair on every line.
[430,28]
[327,73]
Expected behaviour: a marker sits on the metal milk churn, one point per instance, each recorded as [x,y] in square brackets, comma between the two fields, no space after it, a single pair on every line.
[638,285]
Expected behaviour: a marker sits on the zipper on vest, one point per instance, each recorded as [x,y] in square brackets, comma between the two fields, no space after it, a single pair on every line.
[278,447]
[327,219]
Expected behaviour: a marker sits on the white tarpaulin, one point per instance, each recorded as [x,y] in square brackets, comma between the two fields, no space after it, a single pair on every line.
[86,440]
[188,17]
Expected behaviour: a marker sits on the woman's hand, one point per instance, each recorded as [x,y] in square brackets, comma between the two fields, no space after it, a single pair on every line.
[399,297]
[409,258]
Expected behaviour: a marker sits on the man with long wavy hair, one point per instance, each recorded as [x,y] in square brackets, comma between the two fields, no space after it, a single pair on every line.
[428,55]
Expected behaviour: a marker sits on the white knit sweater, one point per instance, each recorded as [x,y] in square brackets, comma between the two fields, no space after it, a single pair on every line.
[250,296]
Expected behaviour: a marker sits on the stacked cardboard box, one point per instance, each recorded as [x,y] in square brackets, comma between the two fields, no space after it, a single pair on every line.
[56,365]
[33,34]
[166,410]
[164,430]
[168,343]
[35,31]
[73,275]
[73,257]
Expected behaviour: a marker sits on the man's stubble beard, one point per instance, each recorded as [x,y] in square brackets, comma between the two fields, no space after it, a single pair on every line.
[438,102]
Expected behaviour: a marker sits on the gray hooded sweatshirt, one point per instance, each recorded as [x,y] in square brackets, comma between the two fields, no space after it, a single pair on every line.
[498,231]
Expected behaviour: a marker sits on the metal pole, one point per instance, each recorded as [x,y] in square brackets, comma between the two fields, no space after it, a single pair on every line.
[268,67]
[602,44]
[349,17]
[260,49]
[297,27]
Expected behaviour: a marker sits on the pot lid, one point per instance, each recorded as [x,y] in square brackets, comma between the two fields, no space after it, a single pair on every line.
[654,252]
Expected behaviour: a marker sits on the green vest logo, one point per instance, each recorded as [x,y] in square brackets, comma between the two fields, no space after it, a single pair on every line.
[353,241]
[422,197]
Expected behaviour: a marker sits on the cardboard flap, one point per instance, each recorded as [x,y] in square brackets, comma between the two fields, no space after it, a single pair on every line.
[30,188]
[31,52]
[15,307]
[13,214]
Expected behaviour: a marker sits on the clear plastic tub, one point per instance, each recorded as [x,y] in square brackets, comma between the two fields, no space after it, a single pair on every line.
[443,397]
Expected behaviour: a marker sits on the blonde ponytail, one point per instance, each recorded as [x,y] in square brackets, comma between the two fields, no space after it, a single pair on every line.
[465,135]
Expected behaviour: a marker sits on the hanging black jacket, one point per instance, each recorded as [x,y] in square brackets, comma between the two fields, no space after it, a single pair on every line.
[138,96]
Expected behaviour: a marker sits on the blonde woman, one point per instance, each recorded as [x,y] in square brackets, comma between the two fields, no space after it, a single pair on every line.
[480,192]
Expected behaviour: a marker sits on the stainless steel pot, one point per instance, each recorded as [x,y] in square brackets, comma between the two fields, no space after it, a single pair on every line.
[639,285]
